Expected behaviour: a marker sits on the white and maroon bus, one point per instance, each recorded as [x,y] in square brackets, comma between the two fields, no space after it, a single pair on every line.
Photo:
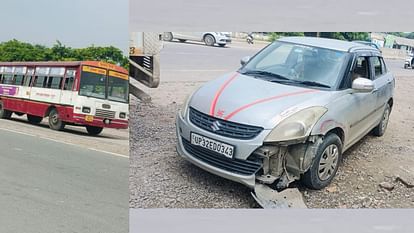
[86,93]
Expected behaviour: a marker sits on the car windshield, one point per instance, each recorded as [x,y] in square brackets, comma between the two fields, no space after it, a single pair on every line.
[295,64]
[118,87]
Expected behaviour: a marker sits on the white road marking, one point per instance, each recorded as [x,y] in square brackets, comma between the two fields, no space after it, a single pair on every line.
[14,131]
[63,142]
[111,153]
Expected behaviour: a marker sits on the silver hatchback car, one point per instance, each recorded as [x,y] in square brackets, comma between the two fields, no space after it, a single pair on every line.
[288,113]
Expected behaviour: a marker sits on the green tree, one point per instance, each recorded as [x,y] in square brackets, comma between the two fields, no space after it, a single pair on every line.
[15,50]
[276,35]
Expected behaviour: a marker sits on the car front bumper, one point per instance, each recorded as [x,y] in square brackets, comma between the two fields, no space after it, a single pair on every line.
[244,148]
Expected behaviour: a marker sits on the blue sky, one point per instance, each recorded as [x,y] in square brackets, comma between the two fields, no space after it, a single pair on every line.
[76,23]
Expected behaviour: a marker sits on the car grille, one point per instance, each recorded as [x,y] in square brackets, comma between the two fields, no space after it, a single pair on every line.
[105,113]
[227,128]
[242,167]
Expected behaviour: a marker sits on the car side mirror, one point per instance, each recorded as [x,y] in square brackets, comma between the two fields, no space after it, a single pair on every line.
[363,85]
[244,60]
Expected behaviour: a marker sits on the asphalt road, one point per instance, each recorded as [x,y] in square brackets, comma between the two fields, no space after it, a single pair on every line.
[50,186]
[265,15]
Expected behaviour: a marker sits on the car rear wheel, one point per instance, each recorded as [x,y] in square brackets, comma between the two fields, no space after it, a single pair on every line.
[167,36]
[93,130]
[34,119]
[55,122]
[4,114]
[325,164]
[209,40]
[379,130]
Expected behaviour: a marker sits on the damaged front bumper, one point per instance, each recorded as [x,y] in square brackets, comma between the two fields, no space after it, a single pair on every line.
[254,163]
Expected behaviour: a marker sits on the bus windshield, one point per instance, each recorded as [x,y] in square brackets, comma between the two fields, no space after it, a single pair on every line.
[95,82]
[118,87]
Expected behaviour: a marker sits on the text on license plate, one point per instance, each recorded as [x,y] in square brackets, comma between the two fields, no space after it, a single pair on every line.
[213,145]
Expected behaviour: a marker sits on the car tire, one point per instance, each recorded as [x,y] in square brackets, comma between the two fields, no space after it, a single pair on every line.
[4,114]
[209,40]
[379,130]
[182,40]
[93,130]
[405,66]
[55,122]
[325,164]
[167,36]
[34,119]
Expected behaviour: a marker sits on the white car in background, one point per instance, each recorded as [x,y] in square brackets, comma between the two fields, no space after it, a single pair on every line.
[209,38]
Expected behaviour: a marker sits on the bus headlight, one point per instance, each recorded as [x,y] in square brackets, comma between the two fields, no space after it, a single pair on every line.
[122,115]
[296,126]
[86,109]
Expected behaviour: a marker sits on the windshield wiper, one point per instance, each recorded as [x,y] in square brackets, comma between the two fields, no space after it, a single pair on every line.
[265,73]
[311,83]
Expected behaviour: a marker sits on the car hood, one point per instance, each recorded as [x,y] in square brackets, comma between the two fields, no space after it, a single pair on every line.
[247,100]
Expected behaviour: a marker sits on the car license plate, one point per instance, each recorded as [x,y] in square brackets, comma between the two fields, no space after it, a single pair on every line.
[89,118]
[213,145]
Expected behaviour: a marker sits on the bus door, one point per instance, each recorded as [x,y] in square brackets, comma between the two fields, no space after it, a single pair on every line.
[25,88]
[67,88]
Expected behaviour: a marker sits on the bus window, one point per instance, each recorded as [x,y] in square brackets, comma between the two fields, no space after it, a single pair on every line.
[70,78]
[28,81]
[39,81]
[19,73]
[1,74]
[18,79]
[54,82]
[7,79]
[29,76]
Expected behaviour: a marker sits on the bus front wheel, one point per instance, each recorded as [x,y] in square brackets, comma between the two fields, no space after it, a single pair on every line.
[4,114]
[93,130]
[55,122]
[34,119]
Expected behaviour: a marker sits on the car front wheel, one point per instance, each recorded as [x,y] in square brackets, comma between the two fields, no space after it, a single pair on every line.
[209,40]
[325,164]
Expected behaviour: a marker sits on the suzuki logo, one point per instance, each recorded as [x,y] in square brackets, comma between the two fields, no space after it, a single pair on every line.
[215,126]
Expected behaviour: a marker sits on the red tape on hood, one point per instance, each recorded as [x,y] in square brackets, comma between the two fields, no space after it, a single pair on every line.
[218,93]
[266,100]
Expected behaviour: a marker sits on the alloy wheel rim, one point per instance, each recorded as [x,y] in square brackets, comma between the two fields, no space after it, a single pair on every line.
[328,162]
[209,40]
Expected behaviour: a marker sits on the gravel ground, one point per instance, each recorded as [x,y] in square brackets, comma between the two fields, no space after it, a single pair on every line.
[161,179]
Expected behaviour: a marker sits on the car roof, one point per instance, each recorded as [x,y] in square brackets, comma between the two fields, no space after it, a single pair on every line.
[339,45]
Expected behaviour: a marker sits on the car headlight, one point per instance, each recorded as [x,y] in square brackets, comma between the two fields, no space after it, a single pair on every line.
[296,126]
